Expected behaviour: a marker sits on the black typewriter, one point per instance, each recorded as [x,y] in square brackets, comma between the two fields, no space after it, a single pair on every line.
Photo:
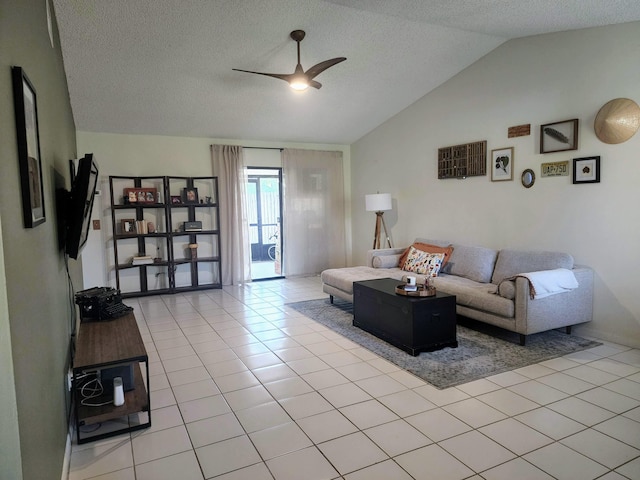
[101,303]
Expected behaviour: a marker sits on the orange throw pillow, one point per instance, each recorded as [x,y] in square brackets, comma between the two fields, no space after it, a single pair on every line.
[426,247]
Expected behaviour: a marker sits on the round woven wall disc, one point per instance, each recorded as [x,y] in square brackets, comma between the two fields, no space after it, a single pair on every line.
[617,121]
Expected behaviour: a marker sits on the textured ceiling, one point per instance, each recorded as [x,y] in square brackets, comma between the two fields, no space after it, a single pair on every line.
[164,67]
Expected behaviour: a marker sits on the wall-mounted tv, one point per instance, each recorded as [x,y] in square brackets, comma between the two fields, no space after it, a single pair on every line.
[77,216]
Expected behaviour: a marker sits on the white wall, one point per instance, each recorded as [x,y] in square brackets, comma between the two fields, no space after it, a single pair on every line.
[140,155]
[534,80]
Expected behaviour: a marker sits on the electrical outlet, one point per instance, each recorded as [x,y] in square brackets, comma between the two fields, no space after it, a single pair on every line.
[96,224]
[69,380]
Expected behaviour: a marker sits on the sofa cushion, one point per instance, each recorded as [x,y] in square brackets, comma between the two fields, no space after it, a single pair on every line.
[513,262]
[386,261]
[474,263]
[423,262]
[475,295]
[343,278]
[426,247]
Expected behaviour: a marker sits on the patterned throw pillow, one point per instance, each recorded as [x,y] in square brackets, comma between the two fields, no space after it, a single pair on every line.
[427,247]
[423,263]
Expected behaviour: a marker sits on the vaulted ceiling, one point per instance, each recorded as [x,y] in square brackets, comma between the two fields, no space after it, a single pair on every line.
[164,67]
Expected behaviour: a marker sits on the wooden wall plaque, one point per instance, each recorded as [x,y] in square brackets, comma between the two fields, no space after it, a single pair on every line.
[519,131]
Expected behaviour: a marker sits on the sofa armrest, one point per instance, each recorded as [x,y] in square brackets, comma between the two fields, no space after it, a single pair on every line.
[555,311]
[386,255]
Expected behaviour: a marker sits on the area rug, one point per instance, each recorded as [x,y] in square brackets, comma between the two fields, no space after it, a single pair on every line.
[483,350]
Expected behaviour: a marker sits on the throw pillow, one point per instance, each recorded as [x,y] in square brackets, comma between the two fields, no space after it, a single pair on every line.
[427,247]
[385,261]
[507,289]
[423,263]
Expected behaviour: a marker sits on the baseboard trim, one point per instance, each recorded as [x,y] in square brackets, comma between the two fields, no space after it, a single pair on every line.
[67,456]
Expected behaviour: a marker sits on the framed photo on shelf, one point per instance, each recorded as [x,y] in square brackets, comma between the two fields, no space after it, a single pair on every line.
[176,200]
[28,136]
[502,164]
[127,225]
[141,195]
[190,195]
[586,170]
[559,136]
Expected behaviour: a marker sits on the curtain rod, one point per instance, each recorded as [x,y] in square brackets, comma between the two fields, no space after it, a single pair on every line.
[265,148]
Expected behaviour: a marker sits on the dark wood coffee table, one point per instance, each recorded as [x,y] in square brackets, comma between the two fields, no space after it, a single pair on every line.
[413,324]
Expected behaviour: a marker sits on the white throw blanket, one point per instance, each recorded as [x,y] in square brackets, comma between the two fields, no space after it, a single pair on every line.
[549,282]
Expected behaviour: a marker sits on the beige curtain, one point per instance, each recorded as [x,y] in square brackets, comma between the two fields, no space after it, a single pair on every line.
[228,166]
[313,217]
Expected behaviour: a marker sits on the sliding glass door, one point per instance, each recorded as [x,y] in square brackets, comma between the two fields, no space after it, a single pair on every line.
[264,211]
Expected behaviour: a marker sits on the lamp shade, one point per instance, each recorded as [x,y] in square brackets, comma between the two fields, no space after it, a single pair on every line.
[378,202]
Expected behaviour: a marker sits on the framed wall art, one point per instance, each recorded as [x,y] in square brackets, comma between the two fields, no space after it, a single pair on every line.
[559,136]
[586,170]
[502,164]
[28,136]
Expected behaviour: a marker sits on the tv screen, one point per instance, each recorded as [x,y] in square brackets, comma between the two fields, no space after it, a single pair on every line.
[83,190]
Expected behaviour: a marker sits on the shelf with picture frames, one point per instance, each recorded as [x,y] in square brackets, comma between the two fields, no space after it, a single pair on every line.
[165,234]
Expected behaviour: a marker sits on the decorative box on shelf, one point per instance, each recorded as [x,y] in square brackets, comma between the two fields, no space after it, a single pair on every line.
[192,226]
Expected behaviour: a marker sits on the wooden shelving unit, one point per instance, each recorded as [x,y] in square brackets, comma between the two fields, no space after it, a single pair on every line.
[173,268]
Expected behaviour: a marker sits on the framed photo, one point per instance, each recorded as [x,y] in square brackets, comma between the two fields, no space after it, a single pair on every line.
[141,195]
[586,170]
[502,164]
[559,136]
[128,225]
[176,200]
[28,136]
[190,195]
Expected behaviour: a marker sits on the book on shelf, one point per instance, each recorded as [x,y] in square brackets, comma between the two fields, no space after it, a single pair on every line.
[141,227]
[141,260]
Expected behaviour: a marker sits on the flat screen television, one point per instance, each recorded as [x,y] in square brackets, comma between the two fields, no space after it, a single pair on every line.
[80,204]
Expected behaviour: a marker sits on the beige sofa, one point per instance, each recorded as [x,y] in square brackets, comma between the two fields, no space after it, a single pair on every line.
[487,285]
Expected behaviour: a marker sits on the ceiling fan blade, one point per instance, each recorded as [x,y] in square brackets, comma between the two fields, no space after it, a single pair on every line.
[322,66]
[314,84]
[281,76]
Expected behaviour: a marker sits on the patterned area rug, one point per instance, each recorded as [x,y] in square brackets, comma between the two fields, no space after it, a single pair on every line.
[483,350]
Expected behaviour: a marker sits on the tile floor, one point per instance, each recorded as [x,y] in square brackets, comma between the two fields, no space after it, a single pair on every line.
[244,388]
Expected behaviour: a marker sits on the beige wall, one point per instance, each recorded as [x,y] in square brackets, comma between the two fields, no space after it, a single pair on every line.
[534,80]
[162,155]
[37,297]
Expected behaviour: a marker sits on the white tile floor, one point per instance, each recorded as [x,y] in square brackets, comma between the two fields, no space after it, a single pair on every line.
[243,387]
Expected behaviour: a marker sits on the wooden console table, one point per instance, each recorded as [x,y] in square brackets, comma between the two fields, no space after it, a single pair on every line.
[102,345]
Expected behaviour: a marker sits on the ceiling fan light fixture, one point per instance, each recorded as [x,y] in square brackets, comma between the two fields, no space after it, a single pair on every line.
[299,82]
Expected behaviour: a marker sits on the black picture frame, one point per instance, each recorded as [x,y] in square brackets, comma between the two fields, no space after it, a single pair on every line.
[190,195]
[559,136]
[586,170]
[28,137]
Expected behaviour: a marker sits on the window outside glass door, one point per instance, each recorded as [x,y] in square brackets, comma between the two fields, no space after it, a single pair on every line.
[265,213]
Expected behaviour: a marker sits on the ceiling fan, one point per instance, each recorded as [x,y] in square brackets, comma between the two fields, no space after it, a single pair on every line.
[299,79]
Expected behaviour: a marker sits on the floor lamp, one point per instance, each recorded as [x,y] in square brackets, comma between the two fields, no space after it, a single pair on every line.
[379,203]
